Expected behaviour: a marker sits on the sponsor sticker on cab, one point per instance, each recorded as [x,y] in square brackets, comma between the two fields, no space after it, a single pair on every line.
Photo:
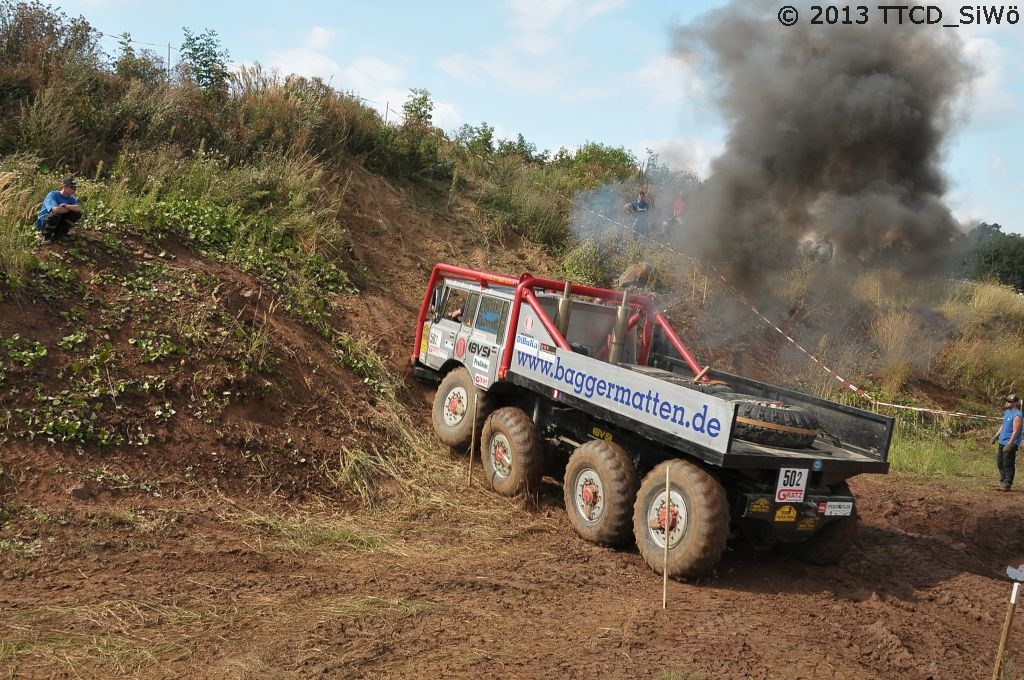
[836,508]
[787,513]
[792,485]
[424,338]
[760,506]
[527,344]
[434,343]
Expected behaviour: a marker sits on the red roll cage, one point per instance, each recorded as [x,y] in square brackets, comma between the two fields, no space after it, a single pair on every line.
[645,311]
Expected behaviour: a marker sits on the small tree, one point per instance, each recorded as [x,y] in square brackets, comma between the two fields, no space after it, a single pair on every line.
[204,60]
[418,108]
[145,66]
[476,139]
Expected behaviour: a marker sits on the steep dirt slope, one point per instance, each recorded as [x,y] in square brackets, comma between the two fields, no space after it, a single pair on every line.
[209,541]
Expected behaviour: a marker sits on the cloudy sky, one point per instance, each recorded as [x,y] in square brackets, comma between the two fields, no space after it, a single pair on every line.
[565,72]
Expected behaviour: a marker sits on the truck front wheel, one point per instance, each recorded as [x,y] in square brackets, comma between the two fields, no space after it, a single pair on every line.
[693,518]
[600,487]
[512,452]
[455,408]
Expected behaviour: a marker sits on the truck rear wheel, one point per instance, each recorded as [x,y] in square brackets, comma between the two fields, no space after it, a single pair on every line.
[600,488]
[455,408]
[695,518]
[774,423]
[832,541]
[512,452]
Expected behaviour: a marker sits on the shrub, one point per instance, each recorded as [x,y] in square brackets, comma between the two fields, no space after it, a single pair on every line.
[17,239]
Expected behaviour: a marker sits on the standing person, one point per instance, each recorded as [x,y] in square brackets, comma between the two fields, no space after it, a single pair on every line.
[678,206]
[59,212]
[641,208]
[1008,438]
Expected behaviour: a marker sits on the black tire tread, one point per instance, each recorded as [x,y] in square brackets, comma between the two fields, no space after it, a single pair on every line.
[621,483]
[527,451]
[708,520]
[773,413]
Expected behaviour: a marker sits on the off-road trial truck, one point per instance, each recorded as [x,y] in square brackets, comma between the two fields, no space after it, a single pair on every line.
[537,371]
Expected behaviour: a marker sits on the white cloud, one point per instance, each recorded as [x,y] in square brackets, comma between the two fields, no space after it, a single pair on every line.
[989,101]
[557,15]
[587,95]
[672,81]
[694,154]
[304,61]
[320,38]
[460,66]
[504,71]
[540,27]
[447,116]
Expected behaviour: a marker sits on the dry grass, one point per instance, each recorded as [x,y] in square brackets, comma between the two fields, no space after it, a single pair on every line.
[973,305]
[17,239]
[307,533]
[895,334]
[125,638]
[991,365]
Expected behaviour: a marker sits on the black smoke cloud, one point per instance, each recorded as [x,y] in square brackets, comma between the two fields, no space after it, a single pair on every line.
[835,131]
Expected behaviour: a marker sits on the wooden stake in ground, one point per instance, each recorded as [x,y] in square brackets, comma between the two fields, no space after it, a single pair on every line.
[668,522]
[472,441]
[1007,624]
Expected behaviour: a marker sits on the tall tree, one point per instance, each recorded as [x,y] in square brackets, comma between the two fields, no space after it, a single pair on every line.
[204,60]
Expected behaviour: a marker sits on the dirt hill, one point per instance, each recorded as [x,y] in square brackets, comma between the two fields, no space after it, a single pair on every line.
[196,501]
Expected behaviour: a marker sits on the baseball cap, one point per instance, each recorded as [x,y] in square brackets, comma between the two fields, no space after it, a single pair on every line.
[1012,398]
[69,182]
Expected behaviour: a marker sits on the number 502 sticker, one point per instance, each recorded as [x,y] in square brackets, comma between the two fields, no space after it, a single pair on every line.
[792,484]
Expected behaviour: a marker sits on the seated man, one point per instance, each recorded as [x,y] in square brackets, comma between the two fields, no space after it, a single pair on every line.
[60,210]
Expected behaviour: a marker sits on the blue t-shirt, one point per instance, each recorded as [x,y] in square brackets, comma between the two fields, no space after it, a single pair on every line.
[1004,434]
[640,208]
[52,200]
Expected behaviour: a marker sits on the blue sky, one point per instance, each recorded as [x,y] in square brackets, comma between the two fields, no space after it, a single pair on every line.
[565,72]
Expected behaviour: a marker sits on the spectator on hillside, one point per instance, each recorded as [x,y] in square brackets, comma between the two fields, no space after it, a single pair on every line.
[678,206]
[641,208]
[60,210]
[1008,438]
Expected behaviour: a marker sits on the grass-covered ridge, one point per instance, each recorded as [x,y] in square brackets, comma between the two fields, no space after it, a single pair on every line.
[253,169]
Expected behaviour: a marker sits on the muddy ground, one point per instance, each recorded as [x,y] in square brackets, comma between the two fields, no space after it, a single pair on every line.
[114,580]
[226,543]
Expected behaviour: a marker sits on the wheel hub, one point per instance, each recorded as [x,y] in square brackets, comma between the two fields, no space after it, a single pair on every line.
[455,406]
[673,517]
[670,513]
[590,496]
[501,456]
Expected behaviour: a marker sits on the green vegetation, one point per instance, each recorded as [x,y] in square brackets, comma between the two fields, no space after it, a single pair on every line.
[250,168]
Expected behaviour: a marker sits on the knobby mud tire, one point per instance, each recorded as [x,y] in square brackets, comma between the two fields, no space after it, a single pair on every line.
[455,407]
[512,430]
[774,423]
[830,543]
[713,387]
[701,529]
[606,471]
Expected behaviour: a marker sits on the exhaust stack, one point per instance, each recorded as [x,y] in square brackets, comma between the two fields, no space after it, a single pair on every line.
[619,330]
[564,312]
